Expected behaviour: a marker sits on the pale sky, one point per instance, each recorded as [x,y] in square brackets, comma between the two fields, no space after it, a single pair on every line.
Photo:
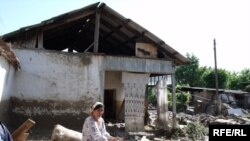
[189,26]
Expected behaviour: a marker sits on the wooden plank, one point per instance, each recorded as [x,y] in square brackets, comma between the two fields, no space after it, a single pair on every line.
[123,22]
[145,50]
[106,21]
[110,47]
[20,133]
[67,20]
[96,36]
[113,31]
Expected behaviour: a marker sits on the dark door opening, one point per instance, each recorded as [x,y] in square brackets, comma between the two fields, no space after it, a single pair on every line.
[109,103]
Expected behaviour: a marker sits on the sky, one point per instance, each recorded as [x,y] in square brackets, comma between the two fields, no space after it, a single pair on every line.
[188,26]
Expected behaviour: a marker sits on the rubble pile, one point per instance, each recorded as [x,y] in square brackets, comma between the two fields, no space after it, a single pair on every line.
[232,116]
[209,119]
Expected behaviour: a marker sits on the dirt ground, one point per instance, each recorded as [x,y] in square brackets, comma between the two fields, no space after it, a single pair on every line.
[115,129]
[151,133]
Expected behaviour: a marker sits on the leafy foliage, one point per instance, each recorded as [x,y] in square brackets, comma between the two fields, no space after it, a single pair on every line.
[177,133]
[182,99]
[195,76]
[196,131]
[209,78]
[233,81]
[189,74]
[247,88]
[152,95]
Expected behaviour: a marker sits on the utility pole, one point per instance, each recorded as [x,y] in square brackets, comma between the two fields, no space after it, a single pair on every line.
[216,80]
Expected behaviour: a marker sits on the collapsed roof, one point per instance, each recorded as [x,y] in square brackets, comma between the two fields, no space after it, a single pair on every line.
[76,30]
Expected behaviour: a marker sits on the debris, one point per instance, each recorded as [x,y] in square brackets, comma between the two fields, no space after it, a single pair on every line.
[61,133]
[225,122]
[236,112]
[20,134]
[232,117]
[144,138]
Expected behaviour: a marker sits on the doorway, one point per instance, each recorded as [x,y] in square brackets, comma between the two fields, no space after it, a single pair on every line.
[109,104]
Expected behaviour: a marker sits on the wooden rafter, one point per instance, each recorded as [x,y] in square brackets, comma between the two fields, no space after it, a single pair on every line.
[117,31]
[51,24]
[124,23]
[97,27]
[112,31]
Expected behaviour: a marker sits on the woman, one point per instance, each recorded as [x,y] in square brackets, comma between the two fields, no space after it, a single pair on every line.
[94,127]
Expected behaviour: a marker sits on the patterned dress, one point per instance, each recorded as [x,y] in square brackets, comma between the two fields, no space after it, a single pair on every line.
[94,130]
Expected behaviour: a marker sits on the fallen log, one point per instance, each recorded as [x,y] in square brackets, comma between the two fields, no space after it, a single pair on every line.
[20,134]
[61,133]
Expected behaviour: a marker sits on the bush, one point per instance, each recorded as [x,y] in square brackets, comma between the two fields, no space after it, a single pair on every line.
[196,131]
[182,99]
[152,96]
[247,88]
[177,133]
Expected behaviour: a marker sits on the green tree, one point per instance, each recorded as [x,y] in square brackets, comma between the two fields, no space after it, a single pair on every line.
[182,99]
[247,88]
[233,81]
[209,78]
[189,74]
[203,71]
[244,75]
[239,81]
[152,95]
[244,79]
[195,76]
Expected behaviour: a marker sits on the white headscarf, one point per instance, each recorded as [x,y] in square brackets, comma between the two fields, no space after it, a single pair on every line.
[94,106]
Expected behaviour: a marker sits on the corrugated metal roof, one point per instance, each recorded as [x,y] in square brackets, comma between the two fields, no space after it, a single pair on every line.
[109,20]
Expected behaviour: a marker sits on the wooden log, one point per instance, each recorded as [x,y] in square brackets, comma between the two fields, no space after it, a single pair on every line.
[61,133]
[23,137]
[20,133]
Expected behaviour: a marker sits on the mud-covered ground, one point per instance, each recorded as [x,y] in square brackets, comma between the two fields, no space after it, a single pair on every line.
[115,129]
[151,132]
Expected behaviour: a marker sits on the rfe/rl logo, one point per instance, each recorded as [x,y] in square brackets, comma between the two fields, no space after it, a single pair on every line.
[229,132]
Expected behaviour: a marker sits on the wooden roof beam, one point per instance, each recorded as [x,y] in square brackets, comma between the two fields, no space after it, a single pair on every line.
[112,32]
[124,23]
[117,30]
[97,27]
[134,38]
[49,24]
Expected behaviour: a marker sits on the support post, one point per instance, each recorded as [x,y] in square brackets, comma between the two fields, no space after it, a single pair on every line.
[173,100]
[97,26]
[40,40]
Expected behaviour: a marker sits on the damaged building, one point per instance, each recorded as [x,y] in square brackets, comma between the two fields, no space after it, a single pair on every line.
[9,63]
[202,98]
[72,60]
